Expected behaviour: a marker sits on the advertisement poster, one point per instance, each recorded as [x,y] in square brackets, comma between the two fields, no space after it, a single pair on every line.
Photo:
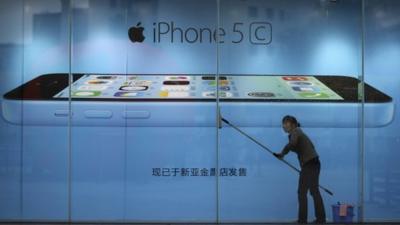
[168,111]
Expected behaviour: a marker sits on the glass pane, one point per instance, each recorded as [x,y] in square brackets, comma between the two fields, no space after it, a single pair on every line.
[11,77]
[35,135]
[382,52]
[45,132]
[98,135]
[171,156]
[143,136]
[298,58]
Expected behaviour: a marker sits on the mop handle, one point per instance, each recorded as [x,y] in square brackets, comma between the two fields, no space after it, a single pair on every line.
[264,147]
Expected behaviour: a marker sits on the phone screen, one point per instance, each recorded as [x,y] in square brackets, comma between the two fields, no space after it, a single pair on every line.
[199,87]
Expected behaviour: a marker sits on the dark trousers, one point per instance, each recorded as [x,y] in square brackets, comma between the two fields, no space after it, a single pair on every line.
[309,180]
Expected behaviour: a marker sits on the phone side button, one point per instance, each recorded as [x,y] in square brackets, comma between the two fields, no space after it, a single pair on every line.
[136,114]
[61,113]
[99,114]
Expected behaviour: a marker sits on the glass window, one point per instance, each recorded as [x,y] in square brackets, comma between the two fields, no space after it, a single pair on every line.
[177,111]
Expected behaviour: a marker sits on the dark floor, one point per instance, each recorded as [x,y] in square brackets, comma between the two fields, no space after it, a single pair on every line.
[36,223]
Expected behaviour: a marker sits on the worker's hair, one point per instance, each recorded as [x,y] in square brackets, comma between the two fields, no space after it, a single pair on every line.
[291,119]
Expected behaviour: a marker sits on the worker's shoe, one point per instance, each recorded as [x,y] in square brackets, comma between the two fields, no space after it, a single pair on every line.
[319,221]
[301,222]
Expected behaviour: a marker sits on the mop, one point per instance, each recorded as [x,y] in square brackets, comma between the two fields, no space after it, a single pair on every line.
[267,149]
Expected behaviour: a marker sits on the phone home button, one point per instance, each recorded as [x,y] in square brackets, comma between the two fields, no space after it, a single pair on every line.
[98,114]
[136,114]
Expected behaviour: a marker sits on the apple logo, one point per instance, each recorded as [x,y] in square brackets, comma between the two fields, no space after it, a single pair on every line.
[136,33]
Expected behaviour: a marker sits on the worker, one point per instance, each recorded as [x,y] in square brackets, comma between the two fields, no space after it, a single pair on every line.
[310,169]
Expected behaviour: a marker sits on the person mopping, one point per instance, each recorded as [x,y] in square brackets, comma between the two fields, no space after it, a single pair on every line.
[310,169]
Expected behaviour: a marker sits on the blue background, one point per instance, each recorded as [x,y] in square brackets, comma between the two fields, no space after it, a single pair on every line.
[105,173]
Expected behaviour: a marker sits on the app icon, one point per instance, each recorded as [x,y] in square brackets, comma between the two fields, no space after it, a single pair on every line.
[306,88]
[133,88]
[261,94]
[210,83]
[224,88]
[128,94]
[95,82]
[175,94]
[92,88]
[177,78]
[209,88]
[140,83]
[86,93]
[106,77]
[214,83]
[300,83]
[223,82]
[212,78]
[175,88]
[208,94]
[178,94]
[222,94]
[176,82]
[295,78]
[163,94]
[313,95]
[225,94]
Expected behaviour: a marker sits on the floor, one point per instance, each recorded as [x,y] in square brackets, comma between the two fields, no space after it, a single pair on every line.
[36,223]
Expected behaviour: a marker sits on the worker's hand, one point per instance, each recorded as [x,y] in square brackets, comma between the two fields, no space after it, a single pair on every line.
[278,155]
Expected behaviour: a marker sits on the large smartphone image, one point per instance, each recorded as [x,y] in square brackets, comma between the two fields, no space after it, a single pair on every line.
[190,100]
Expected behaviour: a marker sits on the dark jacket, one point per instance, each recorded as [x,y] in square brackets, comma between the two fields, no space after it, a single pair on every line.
[300,144]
